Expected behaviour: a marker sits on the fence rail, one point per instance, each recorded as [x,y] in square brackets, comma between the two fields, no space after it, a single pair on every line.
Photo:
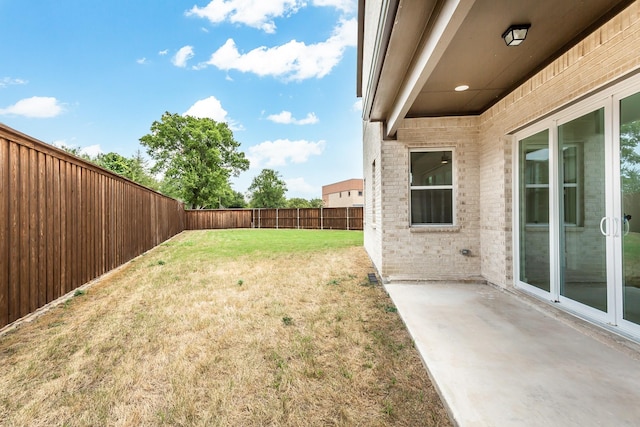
[204,219]
[296,218]
[64,222]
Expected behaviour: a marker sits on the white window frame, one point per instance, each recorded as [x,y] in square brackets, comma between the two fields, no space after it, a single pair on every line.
[451,187]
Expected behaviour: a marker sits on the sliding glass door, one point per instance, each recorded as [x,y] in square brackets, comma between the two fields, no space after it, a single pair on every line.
[534,211]
[581,214]
[629,141]
[578,209]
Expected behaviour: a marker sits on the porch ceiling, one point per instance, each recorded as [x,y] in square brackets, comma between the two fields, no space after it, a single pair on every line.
[435,46]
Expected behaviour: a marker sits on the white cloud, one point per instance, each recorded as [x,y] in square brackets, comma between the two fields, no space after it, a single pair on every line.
[346,6]
[60,143]
[8,81]
[141,61]
[357,106]
[253,13]
[184,54]
[278,152]
[91,150]
[163,52]
[36,107]
[211,108]
[299,185]
[293,60]
[286,118]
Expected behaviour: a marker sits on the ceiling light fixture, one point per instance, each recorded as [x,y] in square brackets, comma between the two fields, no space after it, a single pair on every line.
[461,88]
[516,34]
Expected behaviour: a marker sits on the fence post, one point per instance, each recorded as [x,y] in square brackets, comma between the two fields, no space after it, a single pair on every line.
[321,218]
[347,218]
[298,218]
[276,218]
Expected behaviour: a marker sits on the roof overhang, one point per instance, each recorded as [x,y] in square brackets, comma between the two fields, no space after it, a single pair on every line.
[424,49]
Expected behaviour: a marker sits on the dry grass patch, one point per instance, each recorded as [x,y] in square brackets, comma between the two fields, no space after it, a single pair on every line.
[192,335]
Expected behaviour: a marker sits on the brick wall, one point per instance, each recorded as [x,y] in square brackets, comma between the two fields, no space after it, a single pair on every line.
[483,147]
[372,136]
[606,56]
[432,252]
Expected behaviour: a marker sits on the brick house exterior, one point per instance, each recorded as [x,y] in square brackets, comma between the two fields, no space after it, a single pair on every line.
[343,194]
[482,241]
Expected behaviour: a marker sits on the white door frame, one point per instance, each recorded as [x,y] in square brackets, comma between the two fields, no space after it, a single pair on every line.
[610,101]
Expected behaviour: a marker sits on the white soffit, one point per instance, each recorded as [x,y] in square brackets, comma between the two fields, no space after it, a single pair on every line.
[435,41]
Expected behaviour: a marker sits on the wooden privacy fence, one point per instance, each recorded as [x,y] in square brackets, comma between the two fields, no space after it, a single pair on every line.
[64,222]
[205,219]
[297,218]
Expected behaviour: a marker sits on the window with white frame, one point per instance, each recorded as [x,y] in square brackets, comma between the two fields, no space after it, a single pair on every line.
[431,186]
[373,192]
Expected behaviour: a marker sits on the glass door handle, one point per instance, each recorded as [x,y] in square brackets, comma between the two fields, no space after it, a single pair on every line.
[602,221]
[615,228]
[626,226]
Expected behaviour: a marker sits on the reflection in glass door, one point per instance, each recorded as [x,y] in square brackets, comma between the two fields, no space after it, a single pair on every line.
[630,202]
[534,210]
[578,209]
[582,208]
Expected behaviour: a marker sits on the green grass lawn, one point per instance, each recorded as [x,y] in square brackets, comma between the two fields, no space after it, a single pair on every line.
[223,328]
[632,245]
[265,242]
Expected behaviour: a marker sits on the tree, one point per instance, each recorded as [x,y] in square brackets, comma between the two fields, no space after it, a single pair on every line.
[115,163]
[197,157]
[133,168]
[297,202]
[139,171]
[629,156]
[76,152]
[267,190]
[316,203]
[234,199]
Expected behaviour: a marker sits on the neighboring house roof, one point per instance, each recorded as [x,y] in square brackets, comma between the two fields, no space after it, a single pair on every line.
[347,185]
[425,49]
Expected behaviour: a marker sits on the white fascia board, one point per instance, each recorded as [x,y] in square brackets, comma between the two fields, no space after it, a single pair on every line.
[447,23]
[386,22]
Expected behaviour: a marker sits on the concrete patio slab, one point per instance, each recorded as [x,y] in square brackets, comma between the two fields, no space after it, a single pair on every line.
[499,360]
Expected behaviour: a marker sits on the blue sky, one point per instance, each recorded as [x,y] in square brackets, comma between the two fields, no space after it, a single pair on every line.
[96,74]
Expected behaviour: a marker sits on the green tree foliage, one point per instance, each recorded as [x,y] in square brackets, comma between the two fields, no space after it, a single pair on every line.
[134,168]
[233,199]
[115,163]
[197,157]
[139,171]
[316,203]
[297,202]
[629,157]
[267,190]
[76,152]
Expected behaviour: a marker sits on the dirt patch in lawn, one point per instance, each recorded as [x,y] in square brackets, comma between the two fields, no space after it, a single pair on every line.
[181,338]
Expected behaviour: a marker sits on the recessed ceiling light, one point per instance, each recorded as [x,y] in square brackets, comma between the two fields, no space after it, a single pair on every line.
[461,88]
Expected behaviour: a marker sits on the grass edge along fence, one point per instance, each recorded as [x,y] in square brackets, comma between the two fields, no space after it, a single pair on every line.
[65,221]
[348,218]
